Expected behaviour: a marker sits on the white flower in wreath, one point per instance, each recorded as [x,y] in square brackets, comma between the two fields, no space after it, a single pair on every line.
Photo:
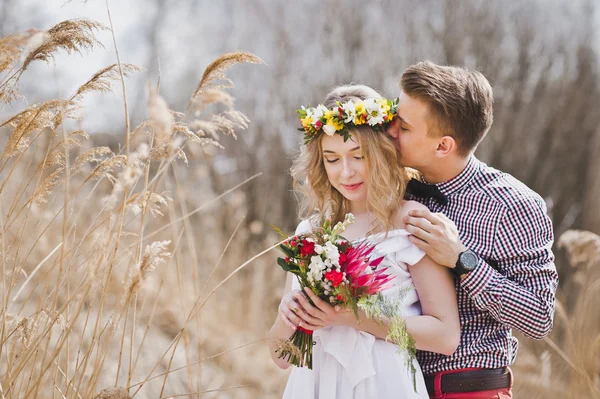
[350,111]
[329,130]
[375,112]
[309,111]
[318,113]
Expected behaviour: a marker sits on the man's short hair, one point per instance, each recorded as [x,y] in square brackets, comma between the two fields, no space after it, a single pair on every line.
[460,101]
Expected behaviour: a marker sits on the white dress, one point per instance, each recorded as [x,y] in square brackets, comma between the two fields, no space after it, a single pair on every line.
[348,363]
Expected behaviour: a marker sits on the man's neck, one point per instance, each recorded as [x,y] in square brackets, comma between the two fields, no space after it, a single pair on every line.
[444,170]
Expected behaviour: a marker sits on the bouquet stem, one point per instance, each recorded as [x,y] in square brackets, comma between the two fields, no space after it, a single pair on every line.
[298,350]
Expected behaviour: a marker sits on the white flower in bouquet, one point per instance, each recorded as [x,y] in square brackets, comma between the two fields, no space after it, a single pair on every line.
[316,268]
[332,253]
[319,249]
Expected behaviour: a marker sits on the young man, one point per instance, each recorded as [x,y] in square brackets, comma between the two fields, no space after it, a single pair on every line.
[501,254]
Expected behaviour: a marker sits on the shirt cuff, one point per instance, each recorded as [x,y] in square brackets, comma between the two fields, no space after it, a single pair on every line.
[476,281]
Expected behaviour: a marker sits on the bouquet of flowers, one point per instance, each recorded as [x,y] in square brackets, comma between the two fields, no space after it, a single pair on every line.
[342,274]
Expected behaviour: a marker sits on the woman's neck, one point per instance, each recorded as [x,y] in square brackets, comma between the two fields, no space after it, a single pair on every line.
[363,221]
[358,208]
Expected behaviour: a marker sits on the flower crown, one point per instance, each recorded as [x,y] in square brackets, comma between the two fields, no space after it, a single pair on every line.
[375,112]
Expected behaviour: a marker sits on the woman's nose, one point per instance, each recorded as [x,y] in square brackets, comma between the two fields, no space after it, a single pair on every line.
[347,169]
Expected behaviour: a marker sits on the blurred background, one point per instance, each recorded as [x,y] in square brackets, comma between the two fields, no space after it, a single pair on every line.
[541,57]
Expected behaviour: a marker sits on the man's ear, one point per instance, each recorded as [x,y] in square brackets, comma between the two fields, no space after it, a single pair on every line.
[445,147]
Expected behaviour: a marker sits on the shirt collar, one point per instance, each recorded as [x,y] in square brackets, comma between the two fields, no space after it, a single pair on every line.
[463,179]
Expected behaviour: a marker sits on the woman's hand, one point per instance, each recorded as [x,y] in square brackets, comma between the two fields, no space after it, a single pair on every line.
[294,314]
[322,314]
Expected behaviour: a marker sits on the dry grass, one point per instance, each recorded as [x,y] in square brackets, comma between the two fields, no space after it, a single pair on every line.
[102,292]
[567,365]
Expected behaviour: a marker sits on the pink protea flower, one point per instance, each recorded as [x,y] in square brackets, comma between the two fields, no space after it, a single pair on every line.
[363,280]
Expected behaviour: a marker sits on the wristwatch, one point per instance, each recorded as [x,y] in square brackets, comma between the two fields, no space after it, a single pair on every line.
[466,263]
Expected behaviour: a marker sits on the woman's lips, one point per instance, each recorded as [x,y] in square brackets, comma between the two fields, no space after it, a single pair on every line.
[351,187]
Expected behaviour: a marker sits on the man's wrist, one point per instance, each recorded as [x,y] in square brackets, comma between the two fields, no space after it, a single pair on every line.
[467,262]
[460,248]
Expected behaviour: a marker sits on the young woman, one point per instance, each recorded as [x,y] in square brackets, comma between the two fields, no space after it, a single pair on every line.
[351,358]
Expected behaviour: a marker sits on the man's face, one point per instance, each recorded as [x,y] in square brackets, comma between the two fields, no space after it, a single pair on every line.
[410,133]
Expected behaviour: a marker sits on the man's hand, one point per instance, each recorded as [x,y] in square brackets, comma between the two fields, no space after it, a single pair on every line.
[435,234]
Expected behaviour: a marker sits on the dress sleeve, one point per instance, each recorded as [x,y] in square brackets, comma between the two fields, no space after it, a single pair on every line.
[410,255]
[406,252]
[303,227]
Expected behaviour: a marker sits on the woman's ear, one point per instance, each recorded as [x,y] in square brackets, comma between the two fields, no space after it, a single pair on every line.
[446,145]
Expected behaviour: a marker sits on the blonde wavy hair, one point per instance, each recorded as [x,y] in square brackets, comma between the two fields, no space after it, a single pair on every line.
[387,181]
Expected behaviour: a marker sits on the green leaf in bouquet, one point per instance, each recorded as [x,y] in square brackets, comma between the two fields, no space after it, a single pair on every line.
[288,267]
[289,252]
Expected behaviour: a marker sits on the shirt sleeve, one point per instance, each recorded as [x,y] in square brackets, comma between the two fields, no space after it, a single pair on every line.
[521,292]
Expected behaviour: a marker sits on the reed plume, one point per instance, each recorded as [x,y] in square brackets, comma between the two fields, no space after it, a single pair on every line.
[216,70]
[12,46]
[113,393]
[103,80]
[155,254]
[72,36]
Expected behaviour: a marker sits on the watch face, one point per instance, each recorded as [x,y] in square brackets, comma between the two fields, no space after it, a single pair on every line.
[468,260]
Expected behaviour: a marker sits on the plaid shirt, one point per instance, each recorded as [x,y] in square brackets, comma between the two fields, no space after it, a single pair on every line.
[514,285]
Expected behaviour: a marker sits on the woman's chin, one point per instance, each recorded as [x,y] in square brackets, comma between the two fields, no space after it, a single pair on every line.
[355,197]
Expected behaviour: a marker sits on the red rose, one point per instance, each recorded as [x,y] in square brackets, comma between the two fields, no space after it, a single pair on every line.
[340,297]
[318,125]
[307,248]
[343,259]
[294,243]
[335,277]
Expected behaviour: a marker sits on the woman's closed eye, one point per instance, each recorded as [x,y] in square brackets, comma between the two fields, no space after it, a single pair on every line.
[331,160]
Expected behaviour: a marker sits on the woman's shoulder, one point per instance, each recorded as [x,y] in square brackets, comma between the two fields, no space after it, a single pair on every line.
[405,207]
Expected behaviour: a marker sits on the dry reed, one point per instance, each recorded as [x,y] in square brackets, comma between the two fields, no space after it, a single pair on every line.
[74,238]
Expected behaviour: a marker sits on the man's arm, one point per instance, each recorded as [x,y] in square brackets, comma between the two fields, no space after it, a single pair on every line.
[522,295]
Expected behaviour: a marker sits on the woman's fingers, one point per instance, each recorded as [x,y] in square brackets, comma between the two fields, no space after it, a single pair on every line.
[321,304]
[305,316]
[310,309]
[297,320]
[287,321]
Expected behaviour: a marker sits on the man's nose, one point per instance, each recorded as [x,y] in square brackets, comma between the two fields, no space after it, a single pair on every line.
[392,130]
